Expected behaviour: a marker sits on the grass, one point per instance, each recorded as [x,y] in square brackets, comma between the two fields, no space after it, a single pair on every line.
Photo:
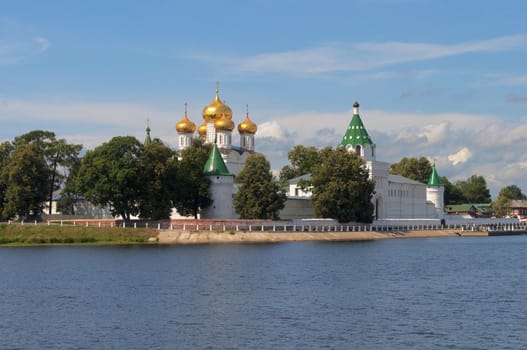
[43,234]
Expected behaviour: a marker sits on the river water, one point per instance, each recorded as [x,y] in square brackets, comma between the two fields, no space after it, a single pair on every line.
[442,293]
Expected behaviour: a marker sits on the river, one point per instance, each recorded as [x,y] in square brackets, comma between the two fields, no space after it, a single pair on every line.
[441,293]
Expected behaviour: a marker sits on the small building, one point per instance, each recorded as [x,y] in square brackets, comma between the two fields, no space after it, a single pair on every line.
[295,190]
[474,210]
[518,207]
[221,188]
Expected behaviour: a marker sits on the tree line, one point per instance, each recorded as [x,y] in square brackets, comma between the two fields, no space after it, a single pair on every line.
[331,197]
[149,180]
[125,176]
[472,190]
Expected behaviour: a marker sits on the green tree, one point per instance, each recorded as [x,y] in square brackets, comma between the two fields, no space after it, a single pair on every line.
[302,160]
[258,196]
[58,154]
[342,188]
[418,169]
[6,149]
[159,174]
[474,189]
[502,204]
[110,175]
[452,194]
[192,187]
[26,178]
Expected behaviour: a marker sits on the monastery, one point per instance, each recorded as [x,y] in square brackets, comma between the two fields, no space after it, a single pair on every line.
[395,198]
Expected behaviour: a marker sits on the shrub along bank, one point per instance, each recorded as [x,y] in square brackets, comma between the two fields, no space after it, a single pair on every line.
[44,234]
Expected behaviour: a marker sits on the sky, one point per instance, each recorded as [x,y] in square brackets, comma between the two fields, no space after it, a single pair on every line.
[441,79]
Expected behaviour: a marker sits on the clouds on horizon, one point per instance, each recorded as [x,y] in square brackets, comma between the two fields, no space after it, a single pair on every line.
[462,144]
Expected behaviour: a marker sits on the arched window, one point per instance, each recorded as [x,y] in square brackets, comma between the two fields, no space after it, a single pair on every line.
[358,150]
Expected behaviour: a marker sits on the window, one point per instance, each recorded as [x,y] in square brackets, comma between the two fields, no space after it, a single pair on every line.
[358,150]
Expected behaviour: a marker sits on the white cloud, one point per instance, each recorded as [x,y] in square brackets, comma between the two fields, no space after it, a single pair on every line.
[435,133]
[43,43]
[270,129]
[334,57]
[18,43]
[462,156]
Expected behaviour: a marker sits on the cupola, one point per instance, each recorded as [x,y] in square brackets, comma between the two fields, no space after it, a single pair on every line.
[247,126]
[185,126]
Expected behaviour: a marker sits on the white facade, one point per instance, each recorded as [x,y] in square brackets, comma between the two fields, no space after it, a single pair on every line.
[221,190]
[184,140]
[247,141]
[395,197]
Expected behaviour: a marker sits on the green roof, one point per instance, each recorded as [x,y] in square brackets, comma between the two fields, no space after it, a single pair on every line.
[433,180]
[481,207]
[148,140]
[215,164]
[356,133]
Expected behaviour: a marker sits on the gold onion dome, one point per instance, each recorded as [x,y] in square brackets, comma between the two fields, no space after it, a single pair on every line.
[247,126]
[225,124]
[202,130]
[216,109]
[185,125]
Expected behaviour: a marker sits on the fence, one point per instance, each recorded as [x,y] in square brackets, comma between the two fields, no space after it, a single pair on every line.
[274,226]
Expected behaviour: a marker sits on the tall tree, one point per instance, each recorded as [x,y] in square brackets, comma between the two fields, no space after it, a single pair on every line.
[342,188]
[302,160]
[452,194]
[58,154]
[159,175]
[192,187]
[110,175]
[418,169]
[258,196]
[26,178]
[507,194]
[474,189]
[6,149]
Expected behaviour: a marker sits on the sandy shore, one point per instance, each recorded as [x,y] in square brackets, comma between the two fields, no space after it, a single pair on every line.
[204,237]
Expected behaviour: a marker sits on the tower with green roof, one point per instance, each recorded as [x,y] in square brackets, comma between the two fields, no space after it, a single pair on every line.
[215,164]
[148,140]
[356,138]
[435,191]
[221,187]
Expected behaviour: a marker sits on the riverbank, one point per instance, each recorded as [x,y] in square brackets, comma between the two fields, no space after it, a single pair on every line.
[209,237]
[16,234]
[68,234]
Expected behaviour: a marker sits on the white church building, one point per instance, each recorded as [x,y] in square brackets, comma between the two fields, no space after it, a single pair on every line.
[396,198]
[226,160]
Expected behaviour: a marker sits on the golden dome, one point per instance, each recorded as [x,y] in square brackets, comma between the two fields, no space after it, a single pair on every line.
[225,124]
[216,109]
[185,125]
[247,126]
[202,130]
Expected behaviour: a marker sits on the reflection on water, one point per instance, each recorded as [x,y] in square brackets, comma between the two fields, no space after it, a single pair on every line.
[454,293]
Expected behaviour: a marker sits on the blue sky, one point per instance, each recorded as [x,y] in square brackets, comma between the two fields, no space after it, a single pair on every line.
[440,79]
